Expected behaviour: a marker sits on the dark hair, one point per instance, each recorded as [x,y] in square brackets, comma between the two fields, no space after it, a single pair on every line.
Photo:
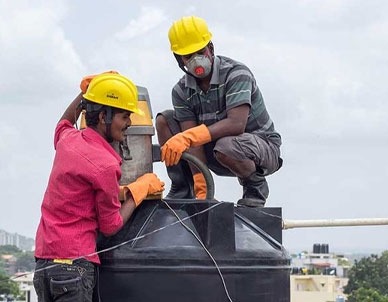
[93,111]
[92,117]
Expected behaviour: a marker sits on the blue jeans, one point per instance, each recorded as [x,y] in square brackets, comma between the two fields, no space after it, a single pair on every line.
[64,282]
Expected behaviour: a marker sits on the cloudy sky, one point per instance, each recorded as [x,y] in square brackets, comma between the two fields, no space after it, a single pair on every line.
[321,66]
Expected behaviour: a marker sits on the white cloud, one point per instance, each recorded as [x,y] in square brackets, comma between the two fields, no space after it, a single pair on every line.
[150,18]
[320,66]
[38,62]
[8,148]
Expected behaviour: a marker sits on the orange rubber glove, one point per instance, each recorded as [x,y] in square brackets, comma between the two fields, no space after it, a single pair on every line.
[199,186]
[172,150]
[145,185]
[86,80]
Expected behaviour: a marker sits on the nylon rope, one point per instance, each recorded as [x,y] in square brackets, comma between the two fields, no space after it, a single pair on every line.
[204,247]
[117,245]
[179,220]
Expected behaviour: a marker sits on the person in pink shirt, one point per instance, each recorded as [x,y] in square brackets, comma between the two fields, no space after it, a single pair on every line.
[83,192]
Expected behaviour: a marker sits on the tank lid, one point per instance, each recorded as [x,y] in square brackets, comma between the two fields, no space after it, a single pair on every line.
[164,240]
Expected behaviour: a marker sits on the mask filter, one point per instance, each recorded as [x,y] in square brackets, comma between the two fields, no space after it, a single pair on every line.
[199,66]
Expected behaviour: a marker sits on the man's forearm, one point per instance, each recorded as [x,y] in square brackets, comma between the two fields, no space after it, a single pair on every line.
[73,111]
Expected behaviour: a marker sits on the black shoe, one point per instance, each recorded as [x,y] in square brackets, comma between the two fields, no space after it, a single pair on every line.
[255,190]
[251,202]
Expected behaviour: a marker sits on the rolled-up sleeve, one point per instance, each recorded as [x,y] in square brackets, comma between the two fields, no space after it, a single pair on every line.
[63,128]
[107,201]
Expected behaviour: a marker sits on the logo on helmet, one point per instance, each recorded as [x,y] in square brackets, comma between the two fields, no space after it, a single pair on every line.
[112,96]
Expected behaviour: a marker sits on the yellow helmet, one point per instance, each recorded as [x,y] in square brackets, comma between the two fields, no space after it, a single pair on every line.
[113,90]
[188,35]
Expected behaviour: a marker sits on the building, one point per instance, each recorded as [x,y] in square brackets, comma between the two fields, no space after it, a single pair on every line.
[9,263]
[317,288]
[26,285]
[319,276]
[21,242]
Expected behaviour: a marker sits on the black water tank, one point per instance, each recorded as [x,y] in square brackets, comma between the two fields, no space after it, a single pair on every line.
[167,263]
[324,248]
[316,248]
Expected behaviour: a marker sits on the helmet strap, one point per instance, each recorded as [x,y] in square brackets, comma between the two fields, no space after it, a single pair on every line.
[183,67]
[211,47]
[181,64]
[108,124]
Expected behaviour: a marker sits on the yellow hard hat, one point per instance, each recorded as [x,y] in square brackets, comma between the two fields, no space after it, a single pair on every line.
[113,90]
[188,35]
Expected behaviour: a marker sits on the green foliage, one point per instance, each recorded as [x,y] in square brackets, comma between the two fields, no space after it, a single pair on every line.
[368,279]
[343,262]
[9,249]
[25,262]
[366,295]
[2,271]
[314,271]
[7,286]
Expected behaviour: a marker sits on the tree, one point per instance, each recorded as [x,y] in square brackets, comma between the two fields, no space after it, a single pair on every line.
[25,262]
[368,279]
[366,295]
[8,249]
[7,286]
[343,262]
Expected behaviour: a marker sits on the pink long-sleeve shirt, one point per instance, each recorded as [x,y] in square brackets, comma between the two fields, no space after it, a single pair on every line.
[81,195]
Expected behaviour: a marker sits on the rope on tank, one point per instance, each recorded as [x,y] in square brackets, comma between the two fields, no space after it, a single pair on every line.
[117,245]
[203,246]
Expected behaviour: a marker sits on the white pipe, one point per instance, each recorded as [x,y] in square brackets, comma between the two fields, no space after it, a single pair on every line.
[289,224]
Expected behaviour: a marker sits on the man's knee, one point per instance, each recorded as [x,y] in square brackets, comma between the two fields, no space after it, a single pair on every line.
[223,158]
[224,144]
[220,157]
[225,151]
[165,122]
[240,168]
[160,123]
[162,129]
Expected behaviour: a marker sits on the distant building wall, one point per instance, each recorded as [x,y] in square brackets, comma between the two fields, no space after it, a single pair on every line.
[317,288]
[21,242]
[25,282]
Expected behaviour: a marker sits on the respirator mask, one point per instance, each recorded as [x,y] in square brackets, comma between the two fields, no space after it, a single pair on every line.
[199,66]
